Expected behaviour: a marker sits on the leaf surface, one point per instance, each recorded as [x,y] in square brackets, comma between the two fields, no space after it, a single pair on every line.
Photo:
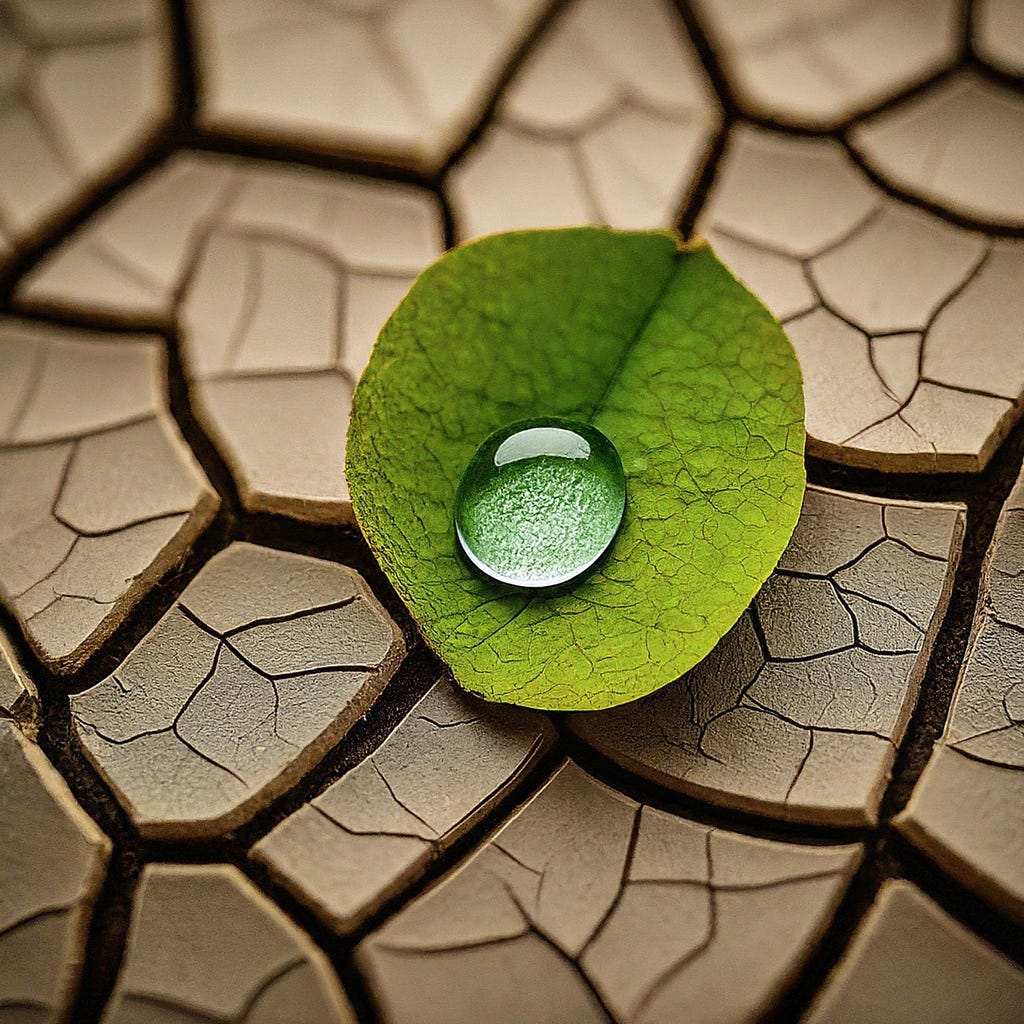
[661,349]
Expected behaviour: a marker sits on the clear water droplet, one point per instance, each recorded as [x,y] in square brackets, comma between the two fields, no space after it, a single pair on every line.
[540,502]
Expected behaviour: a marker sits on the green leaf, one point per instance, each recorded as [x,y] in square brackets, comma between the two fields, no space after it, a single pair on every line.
[660,348]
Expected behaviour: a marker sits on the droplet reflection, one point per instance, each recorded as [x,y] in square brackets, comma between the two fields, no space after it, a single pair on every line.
[540,502]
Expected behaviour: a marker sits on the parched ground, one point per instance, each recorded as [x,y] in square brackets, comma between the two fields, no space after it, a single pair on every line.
[234,783]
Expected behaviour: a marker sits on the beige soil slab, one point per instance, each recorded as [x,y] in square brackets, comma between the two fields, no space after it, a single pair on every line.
[135,257]
[607,122]
[889,308]
[101,495]
[798,711]
[966,809]
[84,84]
[261,665]
[205,944]
[19,700]
[959,144]
[817,63]
[227,246]
[910,962]
[53,860]
[589,907]
[377,829]
[998,34]
[398,80]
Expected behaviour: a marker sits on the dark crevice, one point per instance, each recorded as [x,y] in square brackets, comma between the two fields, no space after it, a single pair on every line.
[984,495]
[183,136]
[975,61]
[331,160]
[941,212]
[966,30]
[905,95]
[706,50]
[179,401]
[695,809]
[888,854]
[341,948]
[1000,76]
[85,320]
[737,109]
[185,65]
[708,56]
[342,544]
[414,677]
[448,221]
[874,869]
[108,930]
[701,190]
[108,933]
[736,112]
[958,901]
[879,181]
[555,10]
[109,923]
[66,221]
[142,617]
[929,718]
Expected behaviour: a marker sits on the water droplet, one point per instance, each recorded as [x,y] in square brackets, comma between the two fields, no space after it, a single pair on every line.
[540,502]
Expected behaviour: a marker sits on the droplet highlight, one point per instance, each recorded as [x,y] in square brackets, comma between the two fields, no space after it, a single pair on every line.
[540,502]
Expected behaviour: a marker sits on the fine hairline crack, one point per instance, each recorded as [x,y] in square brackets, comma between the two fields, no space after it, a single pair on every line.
[181,134]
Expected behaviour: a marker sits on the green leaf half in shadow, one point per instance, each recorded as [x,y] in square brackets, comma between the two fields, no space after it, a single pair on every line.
[657,345]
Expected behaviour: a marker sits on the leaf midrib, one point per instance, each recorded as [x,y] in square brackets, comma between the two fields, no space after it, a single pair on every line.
[638,333]
[528,599]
